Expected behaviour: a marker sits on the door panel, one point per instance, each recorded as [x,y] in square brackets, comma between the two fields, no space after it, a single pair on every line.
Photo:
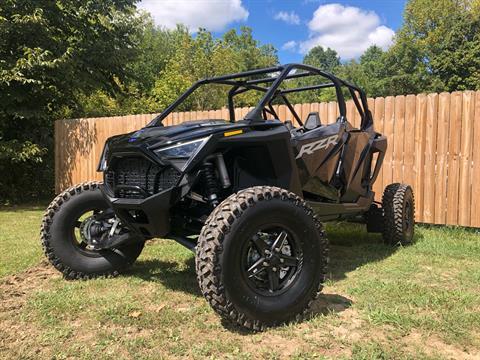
[317,154]
[356,153]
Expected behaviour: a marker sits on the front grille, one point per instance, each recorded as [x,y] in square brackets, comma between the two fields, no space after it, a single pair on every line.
[137,177]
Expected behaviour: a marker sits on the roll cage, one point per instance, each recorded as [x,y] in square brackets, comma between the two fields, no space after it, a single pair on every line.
[270,86]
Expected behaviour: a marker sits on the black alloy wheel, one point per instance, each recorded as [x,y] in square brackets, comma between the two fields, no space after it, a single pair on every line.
[273,258]
[261,257]
[73,228]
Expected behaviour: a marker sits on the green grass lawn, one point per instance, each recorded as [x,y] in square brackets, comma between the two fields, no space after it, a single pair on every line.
[421,301]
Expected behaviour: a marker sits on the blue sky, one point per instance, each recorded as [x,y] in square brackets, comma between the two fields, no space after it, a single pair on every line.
[293,27]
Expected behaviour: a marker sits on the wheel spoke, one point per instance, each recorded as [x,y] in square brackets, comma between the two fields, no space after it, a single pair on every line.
[288,260]
[259,243]
[256,268]
[279,241]
[273,279]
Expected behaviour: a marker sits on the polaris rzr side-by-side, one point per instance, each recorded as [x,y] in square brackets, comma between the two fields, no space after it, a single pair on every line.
[246,196]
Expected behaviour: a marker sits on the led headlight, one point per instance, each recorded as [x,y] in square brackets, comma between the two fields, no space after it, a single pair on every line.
[102,165]
[183,150]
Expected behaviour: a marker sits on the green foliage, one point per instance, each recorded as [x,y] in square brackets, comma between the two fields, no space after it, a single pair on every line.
[67,59]
[170,61]
[447,36]
[202,57]
[49,52]
[327,60]
[368,72]
[436,49]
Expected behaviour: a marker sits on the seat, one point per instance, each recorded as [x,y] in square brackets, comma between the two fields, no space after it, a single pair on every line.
[313,121]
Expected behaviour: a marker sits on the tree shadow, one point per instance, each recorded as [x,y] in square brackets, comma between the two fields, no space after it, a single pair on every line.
[75,141]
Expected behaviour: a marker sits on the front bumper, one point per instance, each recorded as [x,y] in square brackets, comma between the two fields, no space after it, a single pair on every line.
[149,217]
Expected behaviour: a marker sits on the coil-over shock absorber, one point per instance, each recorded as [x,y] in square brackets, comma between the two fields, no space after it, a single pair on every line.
[210,165]
[211,184]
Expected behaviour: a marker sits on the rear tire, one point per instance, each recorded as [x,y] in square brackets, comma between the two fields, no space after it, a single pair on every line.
[60,244]
[398,214]
[261,257]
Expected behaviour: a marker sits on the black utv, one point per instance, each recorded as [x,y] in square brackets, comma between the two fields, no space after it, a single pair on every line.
[247,196]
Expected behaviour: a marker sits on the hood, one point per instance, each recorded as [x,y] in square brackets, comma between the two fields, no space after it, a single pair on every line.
[158,136]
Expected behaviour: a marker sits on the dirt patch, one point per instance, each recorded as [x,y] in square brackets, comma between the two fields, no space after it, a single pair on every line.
[15,337]
[14,289]
[432,345]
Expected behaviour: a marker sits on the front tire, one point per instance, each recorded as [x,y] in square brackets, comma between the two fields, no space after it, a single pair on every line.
[261,257]
[62,246]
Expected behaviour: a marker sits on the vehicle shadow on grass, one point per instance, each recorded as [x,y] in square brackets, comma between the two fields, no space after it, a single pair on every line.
[171,274]
[350,248]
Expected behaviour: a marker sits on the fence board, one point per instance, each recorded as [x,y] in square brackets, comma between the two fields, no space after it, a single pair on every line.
[443,124]
[430,146]
[409,140]
[430,149]
[399,136]
[350,106]
[332,112]
[475,199]
[378,121]
[465,157]
[324,112]
[388,132]
[298,110]
[420,122]
[305,111]
[453,154]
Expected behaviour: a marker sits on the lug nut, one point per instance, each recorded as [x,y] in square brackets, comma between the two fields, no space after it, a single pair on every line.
[282,261]
[274,269]
[277,249]
[265,263]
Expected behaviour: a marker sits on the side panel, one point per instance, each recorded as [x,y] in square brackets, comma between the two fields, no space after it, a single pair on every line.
[356,165]
[261,157]
[317,154]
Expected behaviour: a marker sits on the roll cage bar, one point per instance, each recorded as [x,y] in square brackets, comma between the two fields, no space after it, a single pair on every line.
[270,86]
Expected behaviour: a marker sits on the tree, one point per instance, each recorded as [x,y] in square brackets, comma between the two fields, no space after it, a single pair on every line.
[249,54]
[156,46]
[204,56]
[436,49]
[327,60]
[50,51]
[368,72]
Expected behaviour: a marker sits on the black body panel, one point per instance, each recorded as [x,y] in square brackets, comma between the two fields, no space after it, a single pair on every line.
[165,180]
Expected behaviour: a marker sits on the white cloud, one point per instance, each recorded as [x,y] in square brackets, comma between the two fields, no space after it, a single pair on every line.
[289,17]
[289,45]
[348,30]
[214,15]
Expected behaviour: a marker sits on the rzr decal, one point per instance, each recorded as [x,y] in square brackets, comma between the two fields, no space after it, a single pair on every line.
[317,145]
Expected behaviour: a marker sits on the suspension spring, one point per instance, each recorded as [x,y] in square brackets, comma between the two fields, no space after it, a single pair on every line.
[211,183]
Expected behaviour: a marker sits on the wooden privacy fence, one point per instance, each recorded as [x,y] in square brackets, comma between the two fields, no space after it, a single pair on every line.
[433,144]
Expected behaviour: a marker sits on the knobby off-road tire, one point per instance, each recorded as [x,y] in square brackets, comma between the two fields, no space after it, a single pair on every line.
[398,214]
[219,257]
[58,238]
